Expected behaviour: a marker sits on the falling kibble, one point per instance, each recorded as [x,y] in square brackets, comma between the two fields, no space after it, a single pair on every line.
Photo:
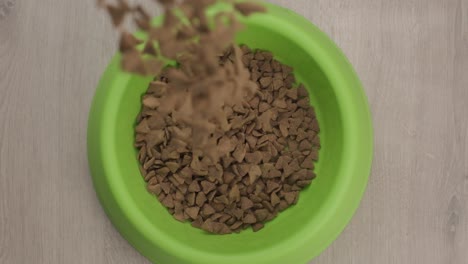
[247,8]
[194,45]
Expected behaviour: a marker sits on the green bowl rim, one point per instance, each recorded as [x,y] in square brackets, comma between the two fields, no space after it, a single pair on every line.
[358,148]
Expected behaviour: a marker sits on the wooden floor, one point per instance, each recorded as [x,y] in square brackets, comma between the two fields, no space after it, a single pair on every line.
[412,56]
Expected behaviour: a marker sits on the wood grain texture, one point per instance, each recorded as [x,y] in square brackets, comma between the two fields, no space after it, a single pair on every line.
[412,56]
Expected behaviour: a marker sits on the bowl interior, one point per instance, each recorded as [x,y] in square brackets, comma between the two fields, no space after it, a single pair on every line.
[297,234]
[311,199]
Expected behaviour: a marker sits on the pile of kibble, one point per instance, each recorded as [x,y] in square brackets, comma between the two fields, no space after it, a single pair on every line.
[268,152]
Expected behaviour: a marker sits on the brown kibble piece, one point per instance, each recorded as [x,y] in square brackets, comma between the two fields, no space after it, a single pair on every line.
[302,91]
[249,219]
[271,216]
[280,103]
[274,173]
[272,186]
[244,169]
[265,121]
[263,196]
[208,210]
[166,187]
[278,84]
[149,48]
[225,146]
[252,141]
[290,197]
[151,102]
[200,199]
[192,212]
[236,225]
[179,196]
[281,162]
[128,42]
[268,205]
[186,173]
[239,152]
[227,161]
[154,138]
[266,67]
[291,168]
[231,221]
[283,126]
[282,205]
[257,226]
[131,62]
[301,135]
[156,189]
[194,187]
[254,173]
[222,199]
[197,167]
[209,226]
[316,143]
[168,201]
[178,180]
[173,166]
[198,222]
[292,93]
[315,126]
[182,188]
[265,81]
[263,107]
[246,203]
[211,196]
[143,127]
[225,230]
[153,180]
[314,154]
[266,167]
[157,88]
[223,188]
[308,162]
[303,184]
[246,8]
[191,199]
[228,177]
[157,123]
[274,199]
[304,145]
[180,216]
[254,158]
[207,186]
[303,103]
[238,213]
[234,194]
[219,207]
[261,214]
[224,218]
[117,14]
[163,172]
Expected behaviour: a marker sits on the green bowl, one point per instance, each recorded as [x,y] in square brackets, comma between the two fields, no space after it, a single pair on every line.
[298,234]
